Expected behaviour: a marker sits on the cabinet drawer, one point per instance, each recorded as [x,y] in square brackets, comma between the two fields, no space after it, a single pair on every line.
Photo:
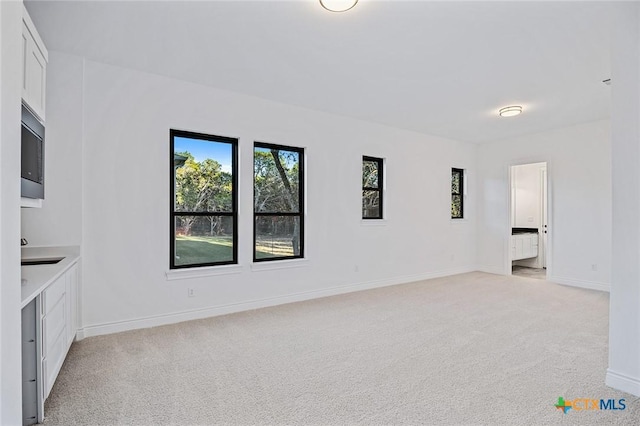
[54,293]
[53,325]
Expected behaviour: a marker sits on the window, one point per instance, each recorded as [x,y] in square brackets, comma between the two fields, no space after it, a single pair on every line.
[278,202]
[203,200]
[457,193]
[372,183]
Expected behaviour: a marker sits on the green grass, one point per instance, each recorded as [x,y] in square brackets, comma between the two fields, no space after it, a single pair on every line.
[192,250]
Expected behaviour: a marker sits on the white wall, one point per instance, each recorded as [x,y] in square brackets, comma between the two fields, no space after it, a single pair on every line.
[59,221]
[10,319]
[127,117]
[624,311]
[579,173]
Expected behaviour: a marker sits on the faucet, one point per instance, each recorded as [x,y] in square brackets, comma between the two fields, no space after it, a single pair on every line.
[23,242]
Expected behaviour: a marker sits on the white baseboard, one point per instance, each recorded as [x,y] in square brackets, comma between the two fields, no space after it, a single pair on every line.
[622,382]
[592,285]
[496,270]
[164,319]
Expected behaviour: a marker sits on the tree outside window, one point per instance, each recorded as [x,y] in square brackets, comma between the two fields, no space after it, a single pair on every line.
[372,185]
[457,193]
[278,194]
[203,223]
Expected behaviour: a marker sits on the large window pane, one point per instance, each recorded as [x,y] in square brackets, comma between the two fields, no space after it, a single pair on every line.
[203,175]
[203,200]
[278,197]
[372,187]
[276,180]
[277,236]
[203,239]
[457,196]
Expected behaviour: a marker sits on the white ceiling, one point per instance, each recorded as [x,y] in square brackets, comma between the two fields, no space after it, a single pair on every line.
[440,68]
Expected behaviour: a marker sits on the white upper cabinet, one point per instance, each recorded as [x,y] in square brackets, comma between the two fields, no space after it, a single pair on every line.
[34,67]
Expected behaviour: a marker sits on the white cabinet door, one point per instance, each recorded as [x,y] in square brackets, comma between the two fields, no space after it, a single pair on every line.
[59,324]
[54,331]
[518,247]
[55,343]
[53,324]
[34,68]
[524,246]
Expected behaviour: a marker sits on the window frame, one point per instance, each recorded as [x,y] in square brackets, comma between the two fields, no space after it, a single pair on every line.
[173,133]
[461,172]
[379,189]
[301,200]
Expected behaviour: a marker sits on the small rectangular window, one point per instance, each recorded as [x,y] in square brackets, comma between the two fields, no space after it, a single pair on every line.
[372,185]
[278,202]
[457,193]
[203,200]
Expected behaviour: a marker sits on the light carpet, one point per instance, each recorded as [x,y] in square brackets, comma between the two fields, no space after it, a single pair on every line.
[468,349]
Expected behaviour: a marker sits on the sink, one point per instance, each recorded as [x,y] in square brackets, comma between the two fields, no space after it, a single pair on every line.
[41,261]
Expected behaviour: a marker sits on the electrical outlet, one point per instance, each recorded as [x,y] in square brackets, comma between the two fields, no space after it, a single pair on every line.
[594,267]
[356,268]
[191,292]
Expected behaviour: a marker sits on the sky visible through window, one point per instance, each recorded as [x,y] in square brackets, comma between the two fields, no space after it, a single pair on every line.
[203,149]
[289,160]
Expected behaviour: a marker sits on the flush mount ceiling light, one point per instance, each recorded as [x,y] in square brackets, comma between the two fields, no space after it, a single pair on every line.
[510,111]
[338,5]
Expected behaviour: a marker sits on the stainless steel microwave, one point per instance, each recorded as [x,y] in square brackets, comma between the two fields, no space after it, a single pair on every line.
[32,171]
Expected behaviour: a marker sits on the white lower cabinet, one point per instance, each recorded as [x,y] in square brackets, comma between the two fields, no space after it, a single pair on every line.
[59,325]
[49,323]
[524,246]
[52,363]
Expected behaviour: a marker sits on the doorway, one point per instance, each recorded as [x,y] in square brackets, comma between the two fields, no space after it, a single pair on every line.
[529,220]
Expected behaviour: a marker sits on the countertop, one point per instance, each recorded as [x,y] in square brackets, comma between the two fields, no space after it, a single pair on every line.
[517,231]
[35,278]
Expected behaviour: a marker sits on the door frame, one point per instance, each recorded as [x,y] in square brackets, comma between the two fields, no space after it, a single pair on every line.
[548,248]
